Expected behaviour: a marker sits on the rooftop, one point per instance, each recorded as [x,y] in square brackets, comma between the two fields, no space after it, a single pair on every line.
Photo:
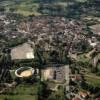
[95,29]
[24,51]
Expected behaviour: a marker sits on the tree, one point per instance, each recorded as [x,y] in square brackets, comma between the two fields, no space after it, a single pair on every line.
[43,91]
[53,57]
[2,9]
[12,9]
[39,61]
[5,64]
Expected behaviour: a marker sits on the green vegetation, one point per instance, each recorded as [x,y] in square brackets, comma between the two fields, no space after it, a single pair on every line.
[83,58]
[12,42]
[5,63]
[46,94]
[51,84]
[15,42]
[21,7]
[51,7]
[58,95]
[12,72]
[69,8]
[92,79]
[22,92]
[17,97]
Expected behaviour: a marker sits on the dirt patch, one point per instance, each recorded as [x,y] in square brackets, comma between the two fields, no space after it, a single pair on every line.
[26,73]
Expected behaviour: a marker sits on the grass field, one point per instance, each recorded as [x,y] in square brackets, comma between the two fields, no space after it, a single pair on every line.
[18,97]
[22,92]
[92,79]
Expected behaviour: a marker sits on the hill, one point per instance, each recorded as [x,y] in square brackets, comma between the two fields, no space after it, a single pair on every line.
[69,8]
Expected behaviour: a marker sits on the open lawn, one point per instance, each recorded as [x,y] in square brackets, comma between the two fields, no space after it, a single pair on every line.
[22,92]
[92,80]
[17,97]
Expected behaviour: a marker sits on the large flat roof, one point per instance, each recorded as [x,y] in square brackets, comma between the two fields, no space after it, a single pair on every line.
[24,51]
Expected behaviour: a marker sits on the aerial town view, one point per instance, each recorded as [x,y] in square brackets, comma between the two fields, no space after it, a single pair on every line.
[49,49]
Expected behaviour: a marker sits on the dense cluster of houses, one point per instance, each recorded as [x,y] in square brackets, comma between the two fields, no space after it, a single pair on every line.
[51,33]
[48,32]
